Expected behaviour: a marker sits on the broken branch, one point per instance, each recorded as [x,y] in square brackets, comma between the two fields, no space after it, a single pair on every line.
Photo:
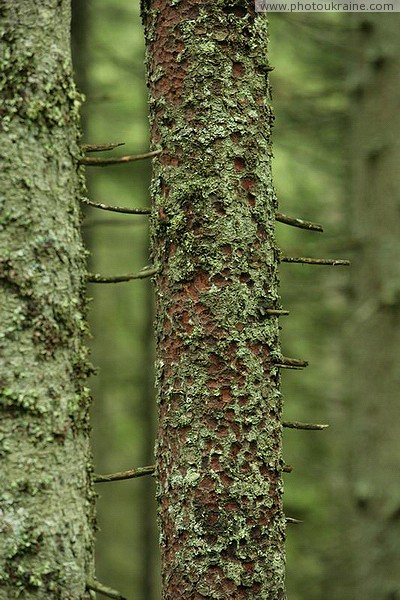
[96,586]
[100,147]
[103,162]
[131,474]
[287,469]
[282,366]
[276,311]
[97,278]
[293,521]
[315,261]
[292,362]
[298,222]
[118,209]
[299,425]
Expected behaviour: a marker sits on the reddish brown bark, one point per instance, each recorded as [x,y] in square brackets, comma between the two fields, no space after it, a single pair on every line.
[219,458]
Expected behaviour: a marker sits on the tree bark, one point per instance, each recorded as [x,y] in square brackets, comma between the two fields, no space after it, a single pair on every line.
[46,499]
[219,457]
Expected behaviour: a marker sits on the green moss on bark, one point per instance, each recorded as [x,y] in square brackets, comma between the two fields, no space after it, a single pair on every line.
[46,498]
[219,443]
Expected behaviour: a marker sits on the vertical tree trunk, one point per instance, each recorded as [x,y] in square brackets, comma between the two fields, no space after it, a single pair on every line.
[371,562]
[45,497]
[219,441]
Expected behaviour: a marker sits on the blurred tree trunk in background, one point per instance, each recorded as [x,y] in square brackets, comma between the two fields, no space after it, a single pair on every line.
[369,503]
[108,53]
[79,39]
[219,440]
[46,497]
[309,53]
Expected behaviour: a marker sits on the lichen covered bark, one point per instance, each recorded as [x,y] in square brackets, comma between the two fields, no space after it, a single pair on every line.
[46,519]
[219,457]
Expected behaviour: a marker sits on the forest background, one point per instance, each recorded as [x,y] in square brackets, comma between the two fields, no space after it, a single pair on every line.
[320,65]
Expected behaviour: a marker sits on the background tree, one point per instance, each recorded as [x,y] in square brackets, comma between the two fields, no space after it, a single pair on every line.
[218,445]
[367,492]
[115,110]
[310,54]
[46,497]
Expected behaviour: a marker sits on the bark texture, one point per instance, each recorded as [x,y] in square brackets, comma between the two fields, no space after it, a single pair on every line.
[46,509]
[370,557]
[219,440]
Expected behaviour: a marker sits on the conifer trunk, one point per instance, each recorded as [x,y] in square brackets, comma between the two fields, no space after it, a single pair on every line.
[219,442]
[46,507]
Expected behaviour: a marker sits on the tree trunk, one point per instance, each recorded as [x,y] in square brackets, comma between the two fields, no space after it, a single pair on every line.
[371,566]
[46,497]
[219,457]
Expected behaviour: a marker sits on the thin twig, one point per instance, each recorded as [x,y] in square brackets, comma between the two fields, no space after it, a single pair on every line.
[100,147]
[298,222]
[131,474]
[315,261]
[118,209]
[293,521]
[96,586]
[276,312]
[103,162]
[97,278]
[299,425]
[283,366]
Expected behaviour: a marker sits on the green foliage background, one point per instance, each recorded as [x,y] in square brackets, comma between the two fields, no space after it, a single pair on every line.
[309,53]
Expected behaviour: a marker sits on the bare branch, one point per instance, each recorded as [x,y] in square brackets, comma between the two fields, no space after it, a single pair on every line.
[281,366]
[146,272]
[287,469]
[131,474]
[293,521]
[276,312]
[103,162]
[100,147]
[285,361]
[299,425]
[118,209]
[298,222]
[315,261]
[96,586]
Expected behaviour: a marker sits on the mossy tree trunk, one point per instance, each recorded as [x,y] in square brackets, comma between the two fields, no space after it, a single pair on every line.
[368,497]
[46,497]
[219,442]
